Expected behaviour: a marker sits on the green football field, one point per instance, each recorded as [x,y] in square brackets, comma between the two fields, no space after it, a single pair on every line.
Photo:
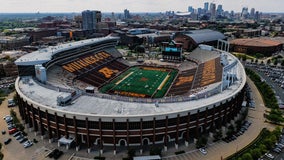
[141,82]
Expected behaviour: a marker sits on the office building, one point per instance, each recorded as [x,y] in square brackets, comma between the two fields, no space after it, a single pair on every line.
[219,10]
[206,5]
[213,11]
[190,9]
[90,19]
[126,14]
[252,13]
[244,14]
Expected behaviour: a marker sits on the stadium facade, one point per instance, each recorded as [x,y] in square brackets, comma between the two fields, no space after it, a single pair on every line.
[206,93]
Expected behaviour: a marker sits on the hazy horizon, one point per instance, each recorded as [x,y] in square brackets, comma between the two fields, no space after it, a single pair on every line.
[135,6]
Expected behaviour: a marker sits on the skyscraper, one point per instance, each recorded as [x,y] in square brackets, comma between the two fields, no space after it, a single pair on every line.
[244,14]
[213,11]
[206,5]
[190,9]
[257,15]
[90,19]
[126,14]
[219,9]
[252,13]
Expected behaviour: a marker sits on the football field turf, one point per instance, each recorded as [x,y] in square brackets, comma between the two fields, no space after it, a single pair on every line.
[141,82]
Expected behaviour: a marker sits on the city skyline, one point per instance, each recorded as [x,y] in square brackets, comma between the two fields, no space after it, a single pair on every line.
[18,6]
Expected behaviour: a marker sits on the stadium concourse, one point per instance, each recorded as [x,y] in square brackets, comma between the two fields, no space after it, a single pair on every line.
[86,91]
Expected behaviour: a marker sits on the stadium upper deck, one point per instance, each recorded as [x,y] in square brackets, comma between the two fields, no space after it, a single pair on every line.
[44,55]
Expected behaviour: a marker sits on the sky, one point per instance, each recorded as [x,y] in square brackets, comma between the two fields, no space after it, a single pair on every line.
[31,6]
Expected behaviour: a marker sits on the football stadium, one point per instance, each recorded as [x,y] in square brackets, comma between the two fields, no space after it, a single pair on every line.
[86,95]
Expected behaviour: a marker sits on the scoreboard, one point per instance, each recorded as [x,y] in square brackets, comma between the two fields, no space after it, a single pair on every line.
[171,50]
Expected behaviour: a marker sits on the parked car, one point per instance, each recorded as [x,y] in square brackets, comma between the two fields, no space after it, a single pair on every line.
[203,151]
[12,131]
[22,140]
[11,127]
[11,103]
[19,137]
[8,118]
[269,155]
[28,144]
[17,134]
[7,141]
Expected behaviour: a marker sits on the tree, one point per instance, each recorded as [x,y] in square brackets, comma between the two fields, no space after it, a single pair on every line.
[275,116]
[13,113]
[201,142]
[244,58]
[275,62]
[255,153]
[268,61]
[277,132]
[1,155]
[238,124]
[262,148]
[217,135]
[230,131]
[268,143]
[15,99]
[247,156]
[256,60]
[155,151]
[131,153]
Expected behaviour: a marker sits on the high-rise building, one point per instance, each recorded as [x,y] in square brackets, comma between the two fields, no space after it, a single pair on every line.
[219,9]
[190,9]
[127,14]
[257,15]
[206,5]
[232,14]
[244,14]
[199,11]
[90,19]
[252,13]
[213,11]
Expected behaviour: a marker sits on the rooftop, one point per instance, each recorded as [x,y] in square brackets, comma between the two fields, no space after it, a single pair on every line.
[204,35]
[257,42]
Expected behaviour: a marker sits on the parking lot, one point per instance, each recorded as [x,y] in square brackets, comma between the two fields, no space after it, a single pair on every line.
[274,76]
[38,151]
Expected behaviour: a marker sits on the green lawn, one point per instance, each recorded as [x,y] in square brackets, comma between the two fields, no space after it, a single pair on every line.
[141,82]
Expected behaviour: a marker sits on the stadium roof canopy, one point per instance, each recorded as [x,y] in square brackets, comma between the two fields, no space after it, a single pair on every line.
[204,35]
[44,55]
[183,13]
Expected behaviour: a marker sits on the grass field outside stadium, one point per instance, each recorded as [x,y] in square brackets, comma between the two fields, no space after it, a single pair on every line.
[142,82]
